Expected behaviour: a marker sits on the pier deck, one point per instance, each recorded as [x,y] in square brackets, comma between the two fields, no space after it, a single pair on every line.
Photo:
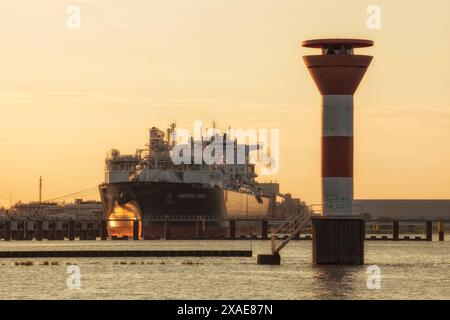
[125,253]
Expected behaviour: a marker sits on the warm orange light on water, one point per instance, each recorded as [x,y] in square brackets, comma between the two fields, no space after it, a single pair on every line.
[121,220]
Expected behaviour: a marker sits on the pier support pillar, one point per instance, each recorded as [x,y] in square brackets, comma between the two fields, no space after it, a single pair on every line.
[199,229]
[297,236]
[59,231]
[38,235]
[264,229]
[135,229]
[268,259]
[395,230]
[441,230]
[71,230]
[338,241]
[14,230]
[29,230]
[232,230]
[103,230]
[83,231]
[167,230]
[429,230]
[7,230]
[45,229]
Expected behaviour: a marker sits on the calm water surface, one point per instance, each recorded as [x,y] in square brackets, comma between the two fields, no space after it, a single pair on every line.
[409,270]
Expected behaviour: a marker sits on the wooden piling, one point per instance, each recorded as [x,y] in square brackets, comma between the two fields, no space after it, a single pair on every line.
[441,230]
[297,235]
[71,230]
[103,230]
[395,230]
[429,230]
[232,229]
[15,230]
[264,229]
[199,230]
[38,235]
[45,229]
[83,231]
[135,230]
[29,230]
[167,230]
[59,231]
[7,230]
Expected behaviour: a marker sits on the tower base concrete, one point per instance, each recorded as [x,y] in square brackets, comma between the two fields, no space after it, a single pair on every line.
[338,240]
[268,259]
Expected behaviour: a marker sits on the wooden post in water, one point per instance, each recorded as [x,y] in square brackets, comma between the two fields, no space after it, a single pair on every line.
[83,231]
[395,230]
[31,230]
[429,230]
[167,230]
[441,230]
[22,230]
[59,231]
[71,230]
[103,230]
[297,236]
[264,229]
[198,230]
[39,231]
[7,230]
[45,229]
[135,229]
[232,230]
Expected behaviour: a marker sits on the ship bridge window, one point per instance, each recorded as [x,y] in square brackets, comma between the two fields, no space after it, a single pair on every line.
[344,49]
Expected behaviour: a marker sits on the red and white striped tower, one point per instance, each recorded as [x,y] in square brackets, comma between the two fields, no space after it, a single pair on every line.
[337,73]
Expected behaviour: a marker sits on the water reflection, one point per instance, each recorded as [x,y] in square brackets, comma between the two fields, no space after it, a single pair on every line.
[336,282]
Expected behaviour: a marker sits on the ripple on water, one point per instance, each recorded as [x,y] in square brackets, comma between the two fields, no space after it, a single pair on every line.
[416,270]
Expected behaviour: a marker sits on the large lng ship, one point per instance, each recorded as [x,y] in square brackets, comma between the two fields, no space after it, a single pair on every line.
[149,187]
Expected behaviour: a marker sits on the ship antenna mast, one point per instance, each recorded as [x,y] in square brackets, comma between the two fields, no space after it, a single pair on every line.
[40,189]
[173,125]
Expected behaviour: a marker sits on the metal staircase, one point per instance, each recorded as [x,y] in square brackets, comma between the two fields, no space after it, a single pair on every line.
[291,226]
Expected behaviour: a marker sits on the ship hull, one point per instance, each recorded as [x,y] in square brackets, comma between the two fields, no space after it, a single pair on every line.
[182,203]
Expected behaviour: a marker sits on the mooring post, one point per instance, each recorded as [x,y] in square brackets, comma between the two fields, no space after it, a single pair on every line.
[264,229]
[7,230]
[429,230]
[167,230]
[232,229]
[135,229]
[71,230]
[441,230]
[39,231]
[103,230]
[395,230]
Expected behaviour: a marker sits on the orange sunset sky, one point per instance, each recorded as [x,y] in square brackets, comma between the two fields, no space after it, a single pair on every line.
[66,97]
